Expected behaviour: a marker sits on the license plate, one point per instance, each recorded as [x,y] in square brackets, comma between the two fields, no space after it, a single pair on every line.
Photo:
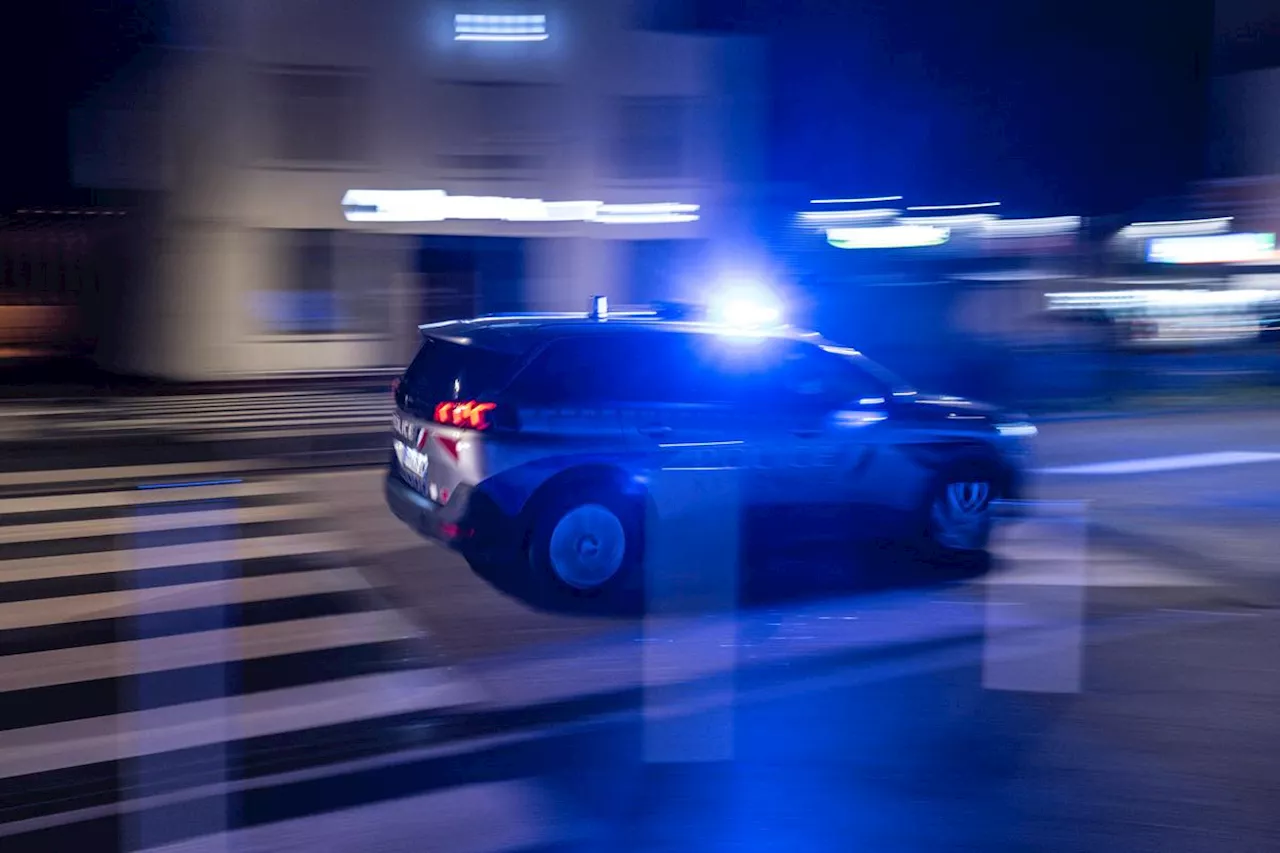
[405,428]
[412,463]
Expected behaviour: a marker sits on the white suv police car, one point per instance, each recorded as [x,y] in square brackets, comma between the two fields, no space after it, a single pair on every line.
[526,441]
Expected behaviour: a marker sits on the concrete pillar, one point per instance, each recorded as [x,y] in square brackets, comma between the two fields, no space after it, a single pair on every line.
[563,273]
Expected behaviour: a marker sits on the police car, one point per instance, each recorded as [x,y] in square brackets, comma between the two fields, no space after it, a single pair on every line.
[530,442]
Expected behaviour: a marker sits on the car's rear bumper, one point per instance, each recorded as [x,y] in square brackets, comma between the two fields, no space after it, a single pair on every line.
[468,522]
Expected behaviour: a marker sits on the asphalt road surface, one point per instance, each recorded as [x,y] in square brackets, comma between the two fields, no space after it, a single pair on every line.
[1107,683]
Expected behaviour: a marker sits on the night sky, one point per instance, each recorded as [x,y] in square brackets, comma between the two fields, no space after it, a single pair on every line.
[1079,107]
[1052,107]
[55,51]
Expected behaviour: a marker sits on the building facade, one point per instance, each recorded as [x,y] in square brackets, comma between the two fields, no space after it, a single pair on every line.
[327,174]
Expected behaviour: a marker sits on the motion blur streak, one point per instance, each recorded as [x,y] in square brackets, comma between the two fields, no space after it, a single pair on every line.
[955,206]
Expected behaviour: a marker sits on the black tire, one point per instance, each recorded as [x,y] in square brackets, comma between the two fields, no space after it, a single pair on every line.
[549,509]
[975,538]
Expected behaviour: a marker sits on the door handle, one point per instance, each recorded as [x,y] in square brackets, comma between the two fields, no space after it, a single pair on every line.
[655,431]
[806,433]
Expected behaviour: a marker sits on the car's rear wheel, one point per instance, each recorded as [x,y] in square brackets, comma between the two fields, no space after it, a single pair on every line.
[585,542]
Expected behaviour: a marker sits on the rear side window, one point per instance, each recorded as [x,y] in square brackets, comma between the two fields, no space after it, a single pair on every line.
[447,371]
[602,369]
[670,367]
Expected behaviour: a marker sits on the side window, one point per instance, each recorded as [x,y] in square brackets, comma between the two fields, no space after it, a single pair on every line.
[741,371]
[564,372]
[623,368]
[823,378]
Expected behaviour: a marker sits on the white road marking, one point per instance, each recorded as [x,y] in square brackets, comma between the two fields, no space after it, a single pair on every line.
[166,556]
[168,599]
[1168,463]
[482,817]
[135,657]
[112,737]
[146,497]
[128,472]
[159,521]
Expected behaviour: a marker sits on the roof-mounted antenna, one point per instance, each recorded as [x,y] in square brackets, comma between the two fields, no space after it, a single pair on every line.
[599,307]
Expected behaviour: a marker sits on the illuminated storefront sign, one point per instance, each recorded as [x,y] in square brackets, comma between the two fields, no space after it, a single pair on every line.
[1212,249]
[888,237]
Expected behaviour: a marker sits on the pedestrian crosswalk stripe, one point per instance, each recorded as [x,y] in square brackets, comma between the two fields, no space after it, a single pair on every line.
[208,414]
[113,500]
[130,472]
[96,739]
[137,622]
[31,568]
[225,420]
[112,660]
[282,432]
[153,522]
[141,602]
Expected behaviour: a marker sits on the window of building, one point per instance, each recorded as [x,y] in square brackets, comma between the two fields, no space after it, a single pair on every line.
[500,126]
[315,116]
[650,138]
[324,283]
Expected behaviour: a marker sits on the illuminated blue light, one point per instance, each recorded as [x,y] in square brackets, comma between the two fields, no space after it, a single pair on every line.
[745,307]
[500,28]
[746,314]
[888,237]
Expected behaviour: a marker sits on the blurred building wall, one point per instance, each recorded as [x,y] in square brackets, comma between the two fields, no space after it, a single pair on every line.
[259,116]
[1245,93]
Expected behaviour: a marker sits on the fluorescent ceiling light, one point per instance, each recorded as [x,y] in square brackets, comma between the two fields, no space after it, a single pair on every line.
[438,206]
[500,28]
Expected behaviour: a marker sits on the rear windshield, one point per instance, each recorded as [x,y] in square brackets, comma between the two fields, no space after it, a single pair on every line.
[447,371]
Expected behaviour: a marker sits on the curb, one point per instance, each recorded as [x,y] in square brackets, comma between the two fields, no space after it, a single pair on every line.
[1139,414]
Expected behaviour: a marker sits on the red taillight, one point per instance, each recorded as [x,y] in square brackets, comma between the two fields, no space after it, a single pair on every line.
[471,414]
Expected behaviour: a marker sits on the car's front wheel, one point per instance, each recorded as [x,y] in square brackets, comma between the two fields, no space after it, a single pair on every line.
[961,511]
[585,543]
